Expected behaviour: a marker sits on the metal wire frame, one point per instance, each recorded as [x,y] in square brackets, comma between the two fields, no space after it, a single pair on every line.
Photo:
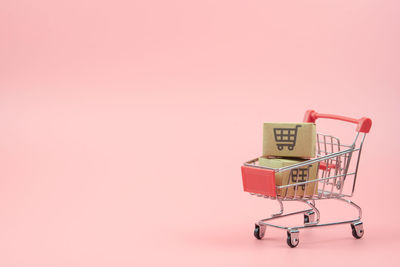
[330,152]
[314,223]
[336,162]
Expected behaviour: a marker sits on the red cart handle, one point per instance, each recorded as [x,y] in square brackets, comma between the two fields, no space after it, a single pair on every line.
[363,124]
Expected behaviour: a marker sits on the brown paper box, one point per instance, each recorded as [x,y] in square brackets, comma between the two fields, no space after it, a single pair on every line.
[289,177]
[289,140]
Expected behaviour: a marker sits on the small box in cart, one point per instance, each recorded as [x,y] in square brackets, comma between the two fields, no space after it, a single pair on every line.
[297,175]
[289,140]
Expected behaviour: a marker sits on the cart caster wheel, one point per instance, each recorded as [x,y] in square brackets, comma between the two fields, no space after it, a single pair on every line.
[292,238]
[357,230]
[259,231]
[309,217]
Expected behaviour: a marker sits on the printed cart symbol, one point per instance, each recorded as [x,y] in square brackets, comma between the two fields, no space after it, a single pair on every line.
[300,175]
[286,137]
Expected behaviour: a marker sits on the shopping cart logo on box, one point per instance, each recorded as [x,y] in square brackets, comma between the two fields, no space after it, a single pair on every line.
[300,175]
[286,137]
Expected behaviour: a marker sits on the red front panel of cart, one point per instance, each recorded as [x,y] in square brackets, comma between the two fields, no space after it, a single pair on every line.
[258,181]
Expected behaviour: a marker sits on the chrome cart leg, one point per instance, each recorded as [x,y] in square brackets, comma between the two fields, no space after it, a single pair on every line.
[281,214]
[311,219]
[259,231]
[354,205]
[281,209]
[357,228]
[292,238]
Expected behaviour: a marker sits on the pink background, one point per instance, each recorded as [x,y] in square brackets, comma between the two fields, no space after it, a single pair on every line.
[124,125]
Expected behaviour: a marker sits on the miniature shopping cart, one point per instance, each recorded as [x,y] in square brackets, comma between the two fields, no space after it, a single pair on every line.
[336,179]
[286,137]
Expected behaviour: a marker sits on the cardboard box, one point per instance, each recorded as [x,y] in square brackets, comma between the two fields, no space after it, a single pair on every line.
[304,173]
[289,140]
